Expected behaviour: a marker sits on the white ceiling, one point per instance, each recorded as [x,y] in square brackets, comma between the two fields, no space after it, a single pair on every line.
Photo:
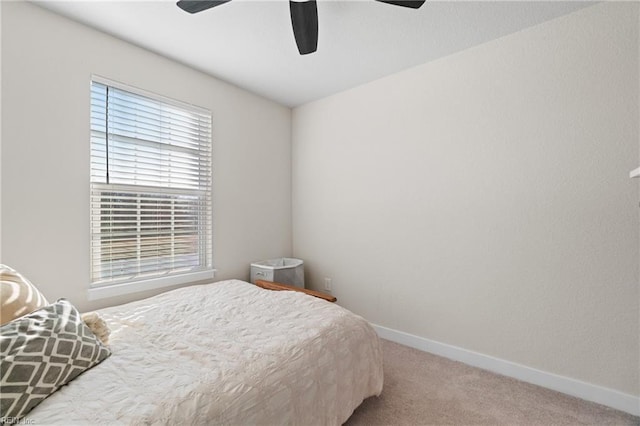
[251,44]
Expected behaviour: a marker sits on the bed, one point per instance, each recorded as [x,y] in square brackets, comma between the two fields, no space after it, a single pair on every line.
[226,353]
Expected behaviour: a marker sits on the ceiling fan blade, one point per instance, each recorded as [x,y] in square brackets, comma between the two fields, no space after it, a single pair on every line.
[195,6]
[413,4]
[304,19]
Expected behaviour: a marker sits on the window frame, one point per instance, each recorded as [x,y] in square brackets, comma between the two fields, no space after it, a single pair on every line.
[126,286]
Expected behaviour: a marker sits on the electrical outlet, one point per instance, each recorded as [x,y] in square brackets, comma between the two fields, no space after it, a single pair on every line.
[327,285]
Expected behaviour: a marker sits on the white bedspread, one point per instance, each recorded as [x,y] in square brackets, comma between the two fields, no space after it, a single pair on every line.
[225,353]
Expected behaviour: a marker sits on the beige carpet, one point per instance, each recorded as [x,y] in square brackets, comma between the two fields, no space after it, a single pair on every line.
[424,389]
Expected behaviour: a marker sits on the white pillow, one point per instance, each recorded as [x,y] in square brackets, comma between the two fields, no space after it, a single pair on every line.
[97,325]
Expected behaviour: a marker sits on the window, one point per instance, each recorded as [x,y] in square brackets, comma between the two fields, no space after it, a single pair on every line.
[151,213]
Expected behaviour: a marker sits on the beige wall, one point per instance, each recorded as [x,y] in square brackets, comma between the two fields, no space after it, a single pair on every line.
[483,200]
[0,135]
[47,62]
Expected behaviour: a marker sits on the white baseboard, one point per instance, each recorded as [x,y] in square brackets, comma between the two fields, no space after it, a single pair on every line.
[601,395]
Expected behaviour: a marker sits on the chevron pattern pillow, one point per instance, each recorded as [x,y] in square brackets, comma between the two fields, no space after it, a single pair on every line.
[18,296]
[41,352]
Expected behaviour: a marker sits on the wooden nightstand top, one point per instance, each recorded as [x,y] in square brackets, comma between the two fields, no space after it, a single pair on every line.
[279,286]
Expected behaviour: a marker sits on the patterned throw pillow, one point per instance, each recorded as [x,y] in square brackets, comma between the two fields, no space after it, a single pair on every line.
[18,296]
[41,352]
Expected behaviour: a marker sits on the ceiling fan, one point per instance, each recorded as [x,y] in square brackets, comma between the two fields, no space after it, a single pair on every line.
[304,17]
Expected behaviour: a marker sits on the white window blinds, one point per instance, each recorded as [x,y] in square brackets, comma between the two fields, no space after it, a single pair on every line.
[150,186]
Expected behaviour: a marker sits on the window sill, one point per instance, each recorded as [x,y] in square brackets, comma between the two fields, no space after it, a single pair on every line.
[103,292]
